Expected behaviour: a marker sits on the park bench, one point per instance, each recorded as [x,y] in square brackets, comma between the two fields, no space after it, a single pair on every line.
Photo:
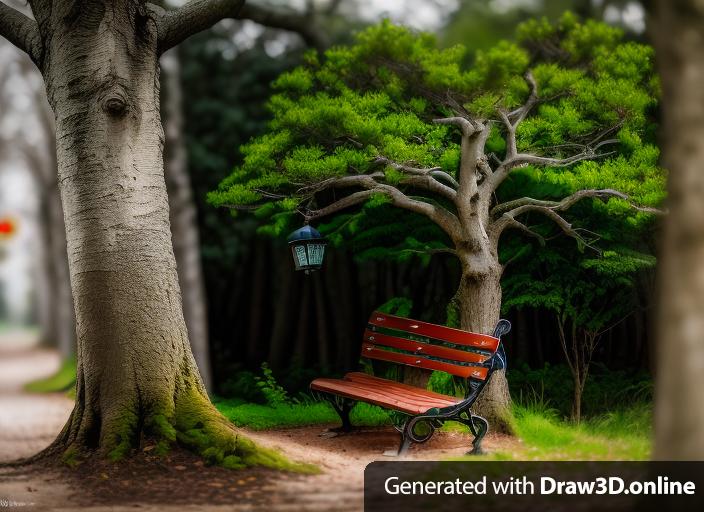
[427,346]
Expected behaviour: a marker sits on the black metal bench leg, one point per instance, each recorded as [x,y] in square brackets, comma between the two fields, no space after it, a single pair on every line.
[405,444]
[342,408]
[481,426]
[402,448]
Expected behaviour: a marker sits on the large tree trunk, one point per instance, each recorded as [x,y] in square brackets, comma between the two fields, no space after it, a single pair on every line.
[136,373]
[184,225]
[479,306]
[678,29]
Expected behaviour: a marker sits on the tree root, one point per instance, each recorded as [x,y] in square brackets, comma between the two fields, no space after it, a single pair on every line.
[189,420]
[202,429]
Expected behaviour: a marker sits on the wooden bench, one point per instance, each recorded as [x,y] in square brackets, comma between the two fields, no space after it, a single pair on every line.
[422,345]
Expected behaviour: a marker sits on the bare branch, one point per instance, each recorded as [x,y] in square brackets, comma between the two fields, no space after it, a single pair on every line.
[174,26]
[430,184]
[589,154]
[22,31]
[513,119]
[513,223]
[360,180]
[446,220]
[512,209]
[242,207]
[443,218]
[445,250]
[432,171]
[289,19]
[350,200]
[467,127]
[427,179]
[519,159]
[520,113]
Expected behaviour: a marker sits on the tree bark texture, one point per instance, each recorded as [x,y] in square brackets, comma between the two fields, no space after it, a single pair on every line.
[136,373]
[678,30]
[183,216]
[478,302]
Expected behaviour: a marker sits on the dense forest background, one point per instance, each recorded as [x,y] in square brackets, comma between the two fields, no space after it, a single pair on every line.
[256,308]
[303,326]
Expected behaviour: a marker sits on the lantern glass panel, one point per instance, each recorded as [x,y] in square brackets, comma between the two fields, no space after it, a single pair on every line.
[315,254]
[300,252]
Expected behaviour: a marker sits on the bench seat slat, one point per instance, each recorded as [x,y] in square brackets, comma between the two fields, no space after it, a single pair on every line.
[419,361]
[384,393]
[420,347]
[398,387]
[440,332]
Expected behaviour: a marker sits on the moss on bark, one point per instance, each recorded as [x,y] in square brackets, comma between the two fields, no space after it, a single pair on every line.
[185,417]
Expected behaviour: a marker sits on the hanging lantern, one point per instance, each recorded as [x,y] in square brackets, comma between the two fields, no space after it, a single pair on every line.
[308,248]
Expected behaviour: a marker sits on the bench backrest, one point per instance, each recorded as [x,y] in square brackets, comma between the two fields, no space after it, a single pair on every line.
[429,346]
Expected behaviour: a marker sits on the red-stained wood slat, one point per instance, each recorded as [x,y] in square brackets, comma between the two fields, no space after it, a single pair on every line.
[419,361]
[399,387]
[379,393]
[420,348]
[440,332]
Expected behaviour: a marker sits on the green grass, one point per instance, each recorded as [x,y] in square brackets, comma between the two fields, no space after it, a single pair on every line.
[619,435]
[63,380]
[262,417]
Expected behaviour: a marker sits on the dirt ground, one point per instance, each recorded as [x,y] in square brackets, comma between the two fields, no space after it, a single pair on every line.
[180,481]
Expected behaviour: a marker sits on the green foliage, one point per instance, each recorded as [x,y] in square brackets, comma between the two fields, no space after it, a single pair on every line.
[262,417]
[334,115]
[550,389]
[274,393]
[398,306]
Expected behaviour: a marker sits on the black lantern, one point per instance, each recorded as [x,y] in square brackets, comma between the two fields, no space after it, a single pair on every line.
[308,248]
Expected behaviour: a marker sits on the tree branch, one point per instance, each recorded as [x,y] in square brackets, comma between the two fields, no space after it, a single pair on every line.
[513,223]
[510,163]
[467,127]
[508,211]
[430,184]
[511,120]
[22,31]
[520,113]
[174,26]
[341,204]
[289,20]
[361,180]
[427,179]
[433,171]
[446,220]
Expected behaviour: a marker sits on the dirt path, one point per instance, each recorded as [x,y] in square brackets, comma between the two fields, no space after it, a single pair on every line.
[29,422]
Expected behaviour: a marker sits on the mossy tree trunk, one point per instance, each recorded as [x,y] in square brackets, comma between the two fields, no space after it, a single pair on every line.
[136,377]
[136,373]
